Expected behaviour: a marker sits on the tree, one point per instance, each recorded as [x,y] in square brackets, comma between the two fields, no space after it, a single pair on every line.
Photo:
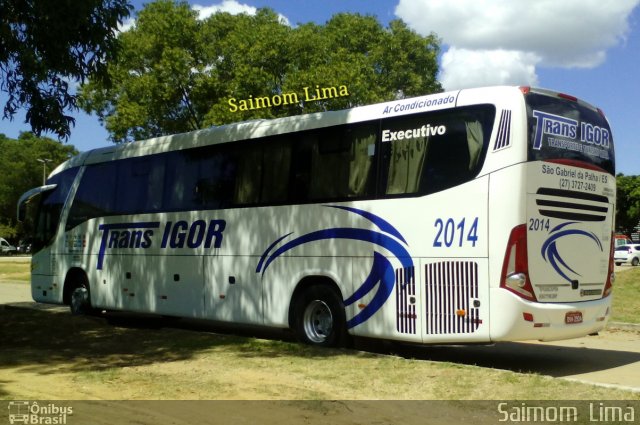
[154,77]
[177,73]
[46,46]
[628,203]
[22,171]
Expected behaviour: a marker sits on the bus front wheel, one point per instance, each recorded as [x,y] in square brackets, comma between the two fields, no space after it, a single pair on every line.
[79,297]
[320,317]
[80,303]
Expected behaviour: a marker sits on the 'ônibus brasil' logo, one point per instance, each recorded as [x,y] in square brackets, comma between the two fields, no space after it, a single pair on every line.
[550,248]
[179,235]
[382,272]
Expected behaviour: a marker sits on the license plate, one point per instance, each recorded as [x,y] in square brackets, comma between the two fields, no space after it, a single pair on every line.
[573,317]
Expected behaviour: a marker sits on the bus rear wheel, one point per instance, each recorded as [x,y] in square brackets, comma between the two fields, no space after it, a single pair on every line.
[320,317]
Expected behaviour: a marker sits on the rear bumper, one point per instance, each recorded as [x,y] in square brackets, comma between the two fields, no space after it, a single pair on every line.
[544,321]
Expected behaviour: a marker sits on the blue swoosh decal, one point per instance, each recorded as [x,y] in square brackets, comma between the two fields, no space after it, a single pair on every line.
[382,224]
[550,251]
[344,233]
[382,272]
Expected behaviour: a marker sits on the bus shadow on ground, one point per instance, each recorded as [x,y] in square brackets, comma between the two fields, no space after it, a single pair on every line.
[552,360]
[43,337]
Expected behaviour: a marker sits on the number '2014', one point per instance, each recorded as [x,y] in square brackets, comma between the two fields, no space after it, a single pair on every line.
[536,224]
[449,233]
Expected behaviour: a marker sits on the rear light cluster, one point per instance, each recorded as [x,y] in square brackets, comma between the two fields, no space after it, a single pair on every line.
[611,277]
[515,269]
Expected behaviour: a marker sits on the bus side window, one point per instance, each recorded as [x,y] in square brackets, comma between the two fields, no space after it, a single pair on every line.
[96,195]
[198,179]
[429,152]
[139,184]
[217,180]
[329,165]
[301,169]
[448,160]
[362,140]
[276,170]
[249,176]
[334,164]
[263,172]
[342,163]
[406,165]
[181,179]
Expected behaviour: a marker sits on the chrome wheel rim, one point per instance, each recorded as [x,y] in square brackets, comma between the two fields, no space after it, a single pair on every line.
[79,299]
[317,321]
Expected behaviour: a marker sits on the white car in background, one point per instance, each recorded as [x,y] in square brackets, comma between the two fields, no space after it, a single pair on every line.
[627,254]
[6,248]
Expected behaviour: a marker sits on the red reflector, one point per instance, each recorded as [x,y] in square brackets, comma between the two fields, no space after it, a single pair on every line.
[527,317]
[525,89]
[568,97]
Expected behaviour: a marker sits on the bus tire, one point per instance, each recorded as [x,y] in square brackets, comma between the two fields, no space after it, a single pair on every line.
[79,297]
[319,317]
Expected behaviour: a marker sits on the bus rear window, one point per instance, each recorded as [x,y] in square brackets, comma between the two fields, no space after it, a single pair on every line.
[567,130]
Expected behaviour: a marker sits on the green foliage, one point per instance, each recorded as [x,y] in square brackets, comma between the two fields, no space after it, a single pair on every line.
[176,73]
[47,45]
[22,171]
[628,203]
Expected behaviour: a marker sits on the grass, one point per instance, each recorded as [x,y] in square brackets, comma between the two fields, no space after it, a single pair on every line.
[53,355]
[626,296]
[15,270]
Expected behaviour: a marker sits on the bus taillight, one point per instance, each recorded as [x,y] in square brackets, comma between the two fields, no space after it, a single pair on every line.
[567,97]
[611,277]
[515,269]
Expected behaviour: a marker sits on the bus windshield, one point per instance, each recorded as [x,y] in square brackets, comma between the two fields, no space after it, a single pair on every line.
[42,212]
[565,129]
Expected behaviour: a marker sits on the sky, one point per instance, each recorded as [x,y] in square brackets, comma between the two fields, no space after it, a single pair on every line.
[587,48]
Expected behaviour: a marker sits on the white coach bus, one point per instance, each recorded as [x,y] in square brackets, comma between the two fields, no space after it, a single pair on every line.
[478,215]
